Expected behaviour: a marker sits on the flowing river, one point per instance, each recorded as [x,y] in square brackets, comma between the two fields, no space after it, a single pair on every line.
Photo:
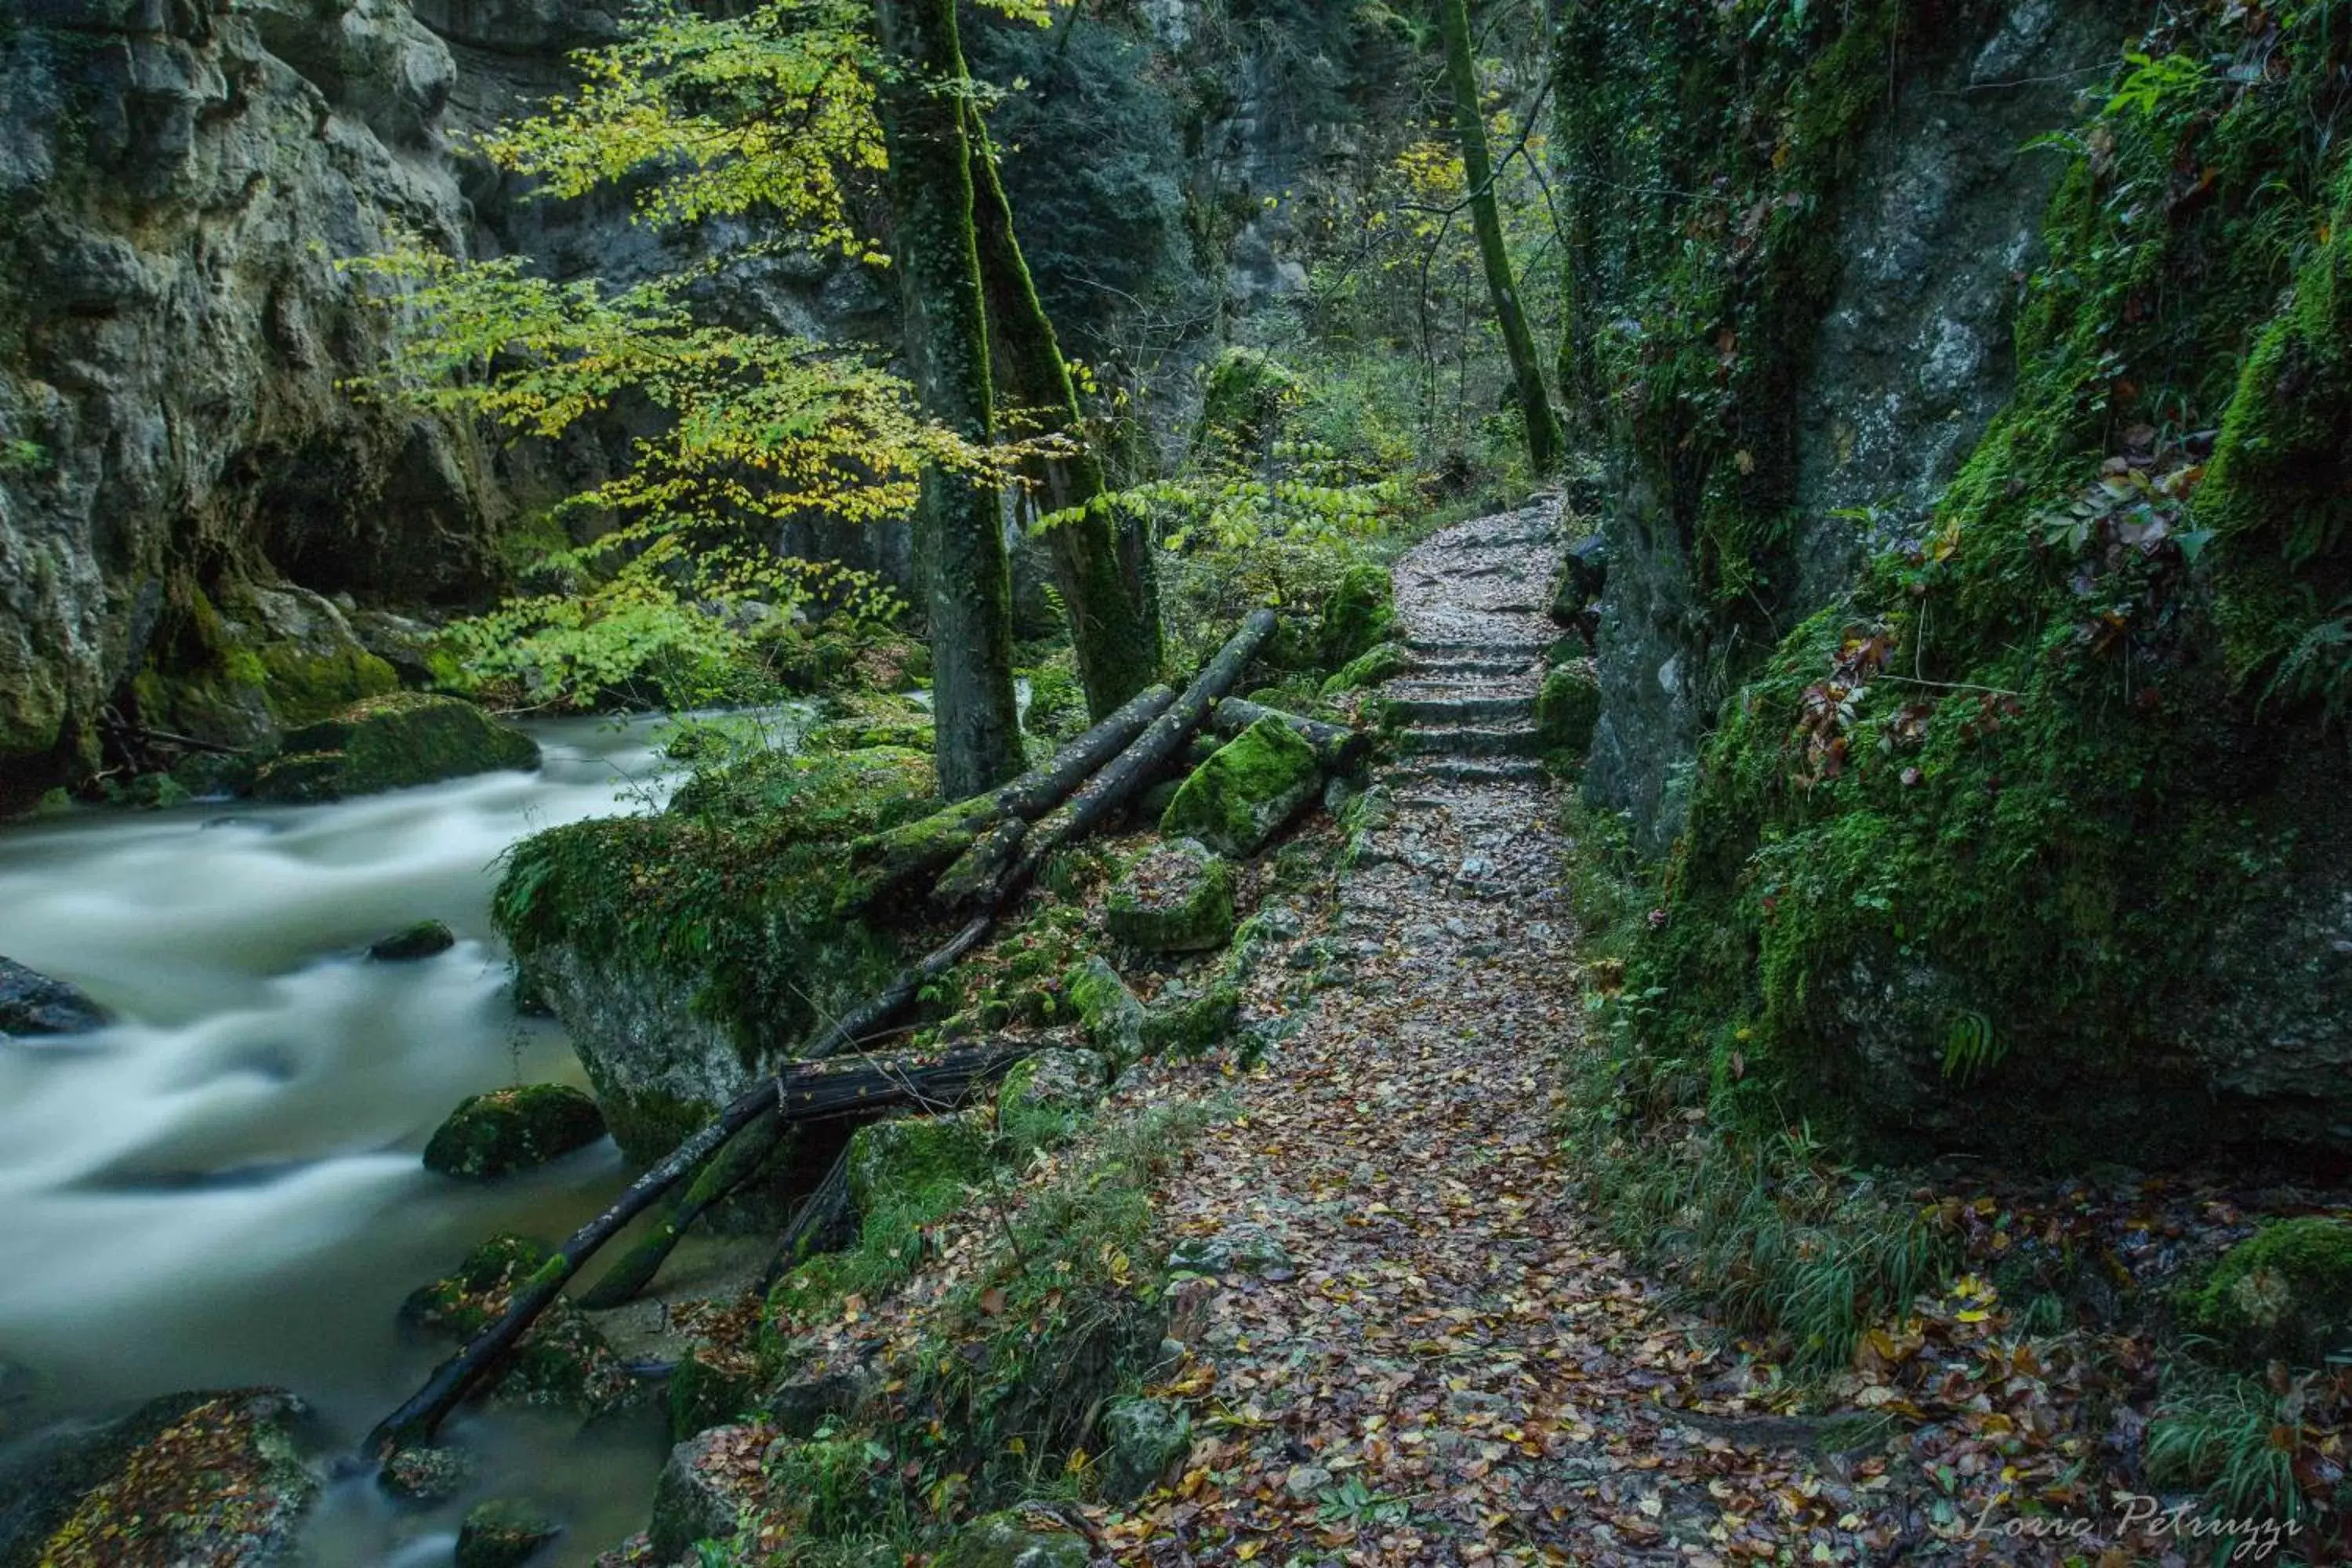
[224,1188]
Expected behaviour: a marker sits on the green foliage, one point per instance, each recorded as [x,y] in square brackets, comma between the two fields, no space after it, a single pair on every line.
[2237,1439]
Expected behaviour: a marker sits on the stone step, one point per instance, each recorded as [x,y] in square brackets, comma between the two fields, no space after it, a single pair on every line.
[1463,741]
[1488,646]
[1452,669]
[1439,711]
[1465,770]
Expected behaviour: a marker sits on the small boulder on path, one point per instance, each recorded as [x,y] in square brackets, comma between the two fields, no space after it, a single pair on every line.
[1177,898]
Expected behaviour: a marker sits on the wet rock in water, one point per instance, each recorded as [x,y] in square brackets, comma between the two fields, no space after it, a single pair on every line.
[424,1476]
[500,1534]
[33,1004]
[563,1363]
[1247,792]
[390,742]
[1143,1439]
[423,940]
[1013,1541]
[1177,898]
[508,1130]
[211,1478]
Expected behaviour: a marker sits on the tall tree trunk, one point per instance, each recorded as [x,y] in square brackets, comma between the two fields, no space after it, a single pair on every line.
[1544,437]
[971,584]
[1112,619]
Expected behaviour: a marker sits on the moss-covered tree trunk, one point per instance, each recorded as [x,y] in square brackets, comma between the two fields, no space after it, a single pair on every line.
[1544,438]
[969,581]
[1113,620]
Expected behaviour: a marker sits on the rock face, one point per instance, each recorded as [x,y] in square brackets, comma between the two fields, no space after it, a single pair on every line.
[509,1130]
[390,742]
[209,1478]
[33,1004]
[1905,366]
[1247,791]
[186,176]
[1176,898]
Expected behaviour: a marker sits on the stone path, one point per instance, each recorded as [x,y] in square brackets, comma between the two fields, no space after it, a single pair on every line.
[1444,1361]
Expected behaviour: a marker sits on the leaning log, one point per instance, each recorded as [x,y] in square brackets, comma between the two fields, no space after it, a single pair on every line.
[883,864]
[806,1092]
[721,1175]
[1002,861]
[1338,747]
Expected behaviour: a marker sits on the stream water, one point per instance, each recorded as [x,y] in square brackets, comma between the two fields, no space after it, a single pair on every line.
[224,1188]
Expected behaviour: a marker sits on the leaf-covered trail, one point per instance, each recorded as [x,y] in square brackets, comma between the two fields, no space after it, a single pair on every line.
[1411,1346]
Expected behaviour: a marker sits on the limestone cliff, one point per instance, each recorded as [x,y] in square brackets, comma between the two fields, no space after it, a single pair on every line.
[182,484]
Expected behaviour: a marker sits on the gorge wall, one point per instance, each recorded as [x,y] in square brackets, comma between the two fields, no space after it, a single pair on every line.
[1970,381]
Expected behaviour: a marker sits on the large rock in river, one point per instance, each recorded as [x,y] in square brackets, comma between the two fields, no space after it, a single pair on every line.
[210,1478]
[509,1130]
[390,742]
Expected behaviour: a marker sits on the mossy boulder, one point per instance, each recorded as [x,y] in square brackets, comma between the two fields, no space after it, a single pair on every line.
[687,952]
[869,720]
[1247,791]
[390,742]
[1196,1025]
[1142,1439]
[423,940]
[563,1363]
[1567,710]
[712,1386]
[1175,898]
[1013,1541]
[902,1160]
[425,1476]
[210,1478]
[502,1533]
[1358,614]
[705,1486]
[1381,661]
[2284,1294]
[509,1130]
[1112,1016]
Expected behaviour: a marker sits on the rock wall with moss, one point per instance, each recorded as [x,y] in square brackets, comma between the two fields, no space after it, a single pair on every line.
[183,490]
[2022,824]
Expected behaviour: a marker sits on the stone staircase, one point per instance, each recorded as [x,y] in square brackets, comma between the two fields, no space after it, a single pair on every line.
[1464,712]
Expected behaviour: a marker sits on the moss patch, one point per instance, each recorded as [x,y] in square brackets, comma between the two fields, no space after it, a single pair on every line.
[1358,614]
[1247,791]
[2283,1294]
[1176,898]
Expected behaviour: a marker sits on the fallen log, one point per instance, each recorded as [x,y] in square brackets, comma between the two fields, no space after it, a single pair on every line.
[802,1093]
[721,1175]
[1338,747]
[1002,861]
[886,863]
